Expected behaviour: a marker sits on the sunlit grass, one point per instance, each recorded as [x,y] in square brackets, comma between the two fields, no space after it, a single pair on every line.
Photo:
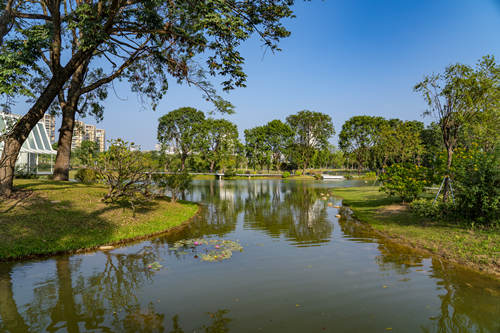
[62,216]
[452,240]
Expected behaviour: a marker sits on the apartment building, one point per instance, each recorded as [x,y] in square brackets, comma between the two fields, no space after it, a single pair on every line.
[49,122]
[88,132]
[100,138]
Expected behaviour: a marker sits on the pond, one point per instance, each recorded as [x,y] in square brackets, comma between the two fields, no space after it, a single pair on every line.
[301,269]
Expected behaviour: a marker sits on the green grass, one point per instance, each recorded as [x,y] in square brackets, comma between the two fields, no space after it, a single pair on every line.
[61,216]
[479,249]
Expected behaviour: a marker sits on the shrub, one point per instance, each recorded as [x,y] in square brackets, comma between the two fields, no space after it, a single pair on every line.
[405,180]
[285,174]
[438,210]
[317,176]
[370,175]
[425,208]
[229,173]
[86,176]
[176,183]
[298,173]
[477,185]
[126,171]
[24,173]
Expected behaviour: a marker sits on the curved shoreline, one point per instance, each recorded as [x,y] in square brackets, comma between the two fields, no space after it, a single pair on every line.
[114,244]
[416,244]
[50,218]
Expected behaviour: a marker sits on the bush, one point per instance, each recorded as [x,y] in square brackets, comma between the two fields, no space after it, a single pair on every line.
[370,175]
[317,176]
[86,176]
[425,208]
[229,173]
[285,174]
[126,171]
[176,183]
[405,180]
[438,210]
[24,173]
[477,185]
[298,173]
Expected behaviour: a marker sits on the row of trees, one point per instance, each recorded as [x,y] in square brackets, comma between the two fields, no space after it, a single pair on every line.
[64,54]
[302,141]
[462,147]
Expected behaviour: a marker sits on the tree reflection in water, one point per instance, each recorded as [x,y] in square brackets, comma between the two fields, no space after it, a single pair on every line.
[105,301]
[296,213]
[104,293]
[457,311]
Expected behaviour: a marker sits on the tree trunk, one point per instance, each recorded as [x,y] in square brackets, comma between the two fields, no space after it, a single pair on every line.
[7,162]
[23,127]
[61,168]
[446,188]
[11,319]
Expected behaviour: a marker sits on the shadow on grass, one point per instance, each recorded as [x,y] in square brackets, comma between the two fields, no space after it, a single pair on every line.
[41,225]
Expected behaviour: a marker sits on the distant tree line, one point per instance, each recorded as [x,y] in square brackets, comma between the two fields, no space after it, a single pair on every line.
[207,144]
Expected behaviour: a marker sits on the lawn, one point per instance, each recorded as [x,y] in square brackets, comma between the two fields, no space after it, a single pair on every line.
[476,248]
[49,217]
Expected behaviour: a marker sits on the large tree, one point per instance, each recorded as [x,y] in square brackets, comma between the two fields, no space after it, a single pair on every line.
[358,136]
[279,139]
[181,129]
[257,151]
[138,40]
[218,142]
[457,98]
[312,130]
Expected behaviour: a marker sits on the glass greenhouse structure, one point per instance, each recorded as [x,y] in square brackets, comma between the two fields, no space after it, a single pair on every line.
[36,154]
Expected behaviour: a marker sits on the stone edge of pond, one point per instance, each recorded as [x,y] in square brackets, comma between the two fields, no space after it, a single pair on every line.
[111,245]
[398,239]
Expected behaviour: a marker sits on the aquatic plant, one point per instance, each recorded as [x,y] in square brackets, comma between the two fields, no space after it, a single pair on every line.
[212,249]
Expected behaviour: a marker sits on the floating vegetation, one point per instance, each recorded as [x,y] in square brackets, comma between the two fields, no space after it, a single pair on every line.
[207,249]
[155,266]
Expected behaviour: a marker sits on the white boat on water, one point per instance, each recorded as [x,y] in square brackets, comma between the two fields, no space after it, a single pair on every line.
[332,177]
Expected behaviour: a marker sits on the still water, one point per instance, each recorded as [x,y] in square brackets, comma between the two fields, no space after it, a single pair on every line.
[302,270]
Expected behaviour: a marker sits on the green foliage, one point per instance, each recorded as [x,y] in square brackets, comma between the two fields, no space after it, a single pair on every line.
[405,180]
[126,171]
[317,175]
[218,142]
[87,152]
[230,173]
[181,129]
[298,173]
[312,131]
[25,173]
[86,176]
[477,185]
[425,208]
[176,183]
[285,174]
[358,136]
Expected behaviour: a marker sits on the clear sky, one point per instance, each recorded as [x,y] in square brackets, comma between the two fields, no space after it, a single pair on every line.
[344,58]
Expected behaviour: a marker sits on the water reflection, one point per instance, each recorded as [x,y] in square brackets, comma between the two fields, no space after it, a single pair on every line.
[115,291]
[468,302]
[296,213]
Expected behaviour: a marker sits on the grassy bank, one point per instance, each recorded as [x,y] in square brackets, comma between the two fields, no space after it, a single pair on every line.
[49,217]
[479,249]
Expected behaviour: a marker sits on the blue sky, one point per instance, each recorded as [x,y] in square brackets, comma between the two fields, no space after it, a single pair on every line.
[344,58]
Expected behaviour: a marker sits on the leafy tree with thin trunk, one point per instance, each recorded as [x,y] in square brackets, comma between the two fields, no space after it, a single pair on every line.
[458,97]
[312,131]
[138,39]
[358,136]
[219,141]
[181,129]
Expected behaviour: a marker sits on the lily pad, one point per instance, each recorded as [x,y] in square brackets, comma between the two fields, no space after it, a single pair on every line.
[211,250]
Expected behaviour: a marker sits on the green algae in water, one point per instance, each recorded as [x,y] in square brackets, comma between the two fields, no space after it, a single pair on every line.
[214,249]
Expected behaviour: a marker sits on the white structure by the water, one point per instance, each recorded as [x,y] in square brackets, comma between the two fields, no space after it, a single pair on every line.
[37,143]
